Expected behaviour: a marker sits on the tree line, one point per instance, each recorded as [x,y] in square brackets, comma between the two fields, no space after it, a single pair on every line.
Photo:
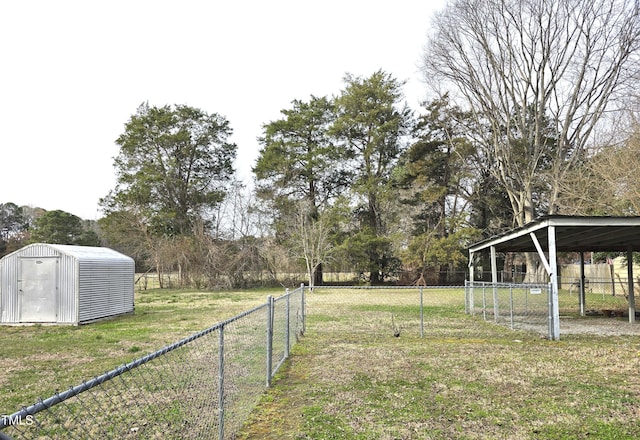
[22,225]
[532,112]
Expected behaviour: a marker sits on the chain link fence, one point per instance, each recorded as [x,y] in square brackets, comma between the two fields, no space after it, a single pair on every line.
[518,306]
[384,311]
[202,387]
[468,311]
[437,312]
[602,296]
[602,309]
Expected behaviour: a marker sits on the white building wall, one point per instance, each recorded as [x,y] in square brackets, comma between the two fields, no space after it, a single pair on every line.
[92,283]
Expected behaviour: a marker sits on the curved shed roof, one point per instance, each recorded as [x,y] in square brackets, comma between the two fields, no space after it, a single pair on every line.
[77,252]
[88,252]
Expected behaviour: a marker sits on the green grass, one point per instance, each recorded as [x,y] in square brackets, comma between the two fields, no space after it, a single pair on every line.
[466,379]
[349,378]
[42,359]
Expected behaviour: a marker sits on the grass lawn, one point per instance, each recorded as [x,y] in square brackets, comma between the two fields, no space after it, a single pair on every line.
[350,378]
[466,379]
[42,359]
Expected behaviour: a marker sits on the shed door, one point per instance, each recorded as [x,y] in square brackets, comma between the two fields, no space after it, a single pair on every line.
[38,290]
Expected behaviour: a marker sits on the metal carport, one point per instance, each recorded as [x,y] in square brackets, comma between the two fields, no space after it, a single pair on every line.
[551,234]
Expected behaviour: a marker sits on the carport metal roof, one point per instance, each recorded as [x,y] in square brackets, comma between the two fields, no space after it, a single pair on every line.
[572,234]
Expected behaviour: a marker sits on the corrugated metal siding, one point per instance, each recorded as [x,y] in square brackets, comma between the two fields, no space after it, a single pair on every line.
[36,250]
[106,288]
[8,290]
[10,276]
[67,289]
[92,282]
[66,279]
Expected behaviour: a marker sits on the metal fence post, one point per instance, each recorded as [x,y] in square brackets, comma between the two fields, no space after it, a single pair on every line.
[302,309]
[550,311]
[511,305]
[496,303]
[221,382]
[469,299]
[466,297]
[287,324]
[472,300]
[484,303]
[421,313]
[270,304]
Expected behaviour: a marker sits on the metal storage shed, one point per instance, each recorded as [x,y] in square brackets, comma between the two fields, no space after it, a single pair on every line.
[52,283]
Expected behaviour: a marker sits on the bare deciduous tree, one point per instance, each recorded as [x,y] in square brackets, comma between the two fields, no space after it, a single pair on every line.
[614,171]
[538,76]
[311,240]
[238,216]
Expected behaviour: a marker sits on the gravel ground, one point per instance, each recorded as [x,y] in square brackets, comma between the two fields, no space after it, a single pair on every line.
[591,325]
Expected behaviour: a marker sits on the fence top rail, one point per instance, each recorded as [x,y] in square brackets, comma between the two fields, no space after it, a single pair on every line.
[411,287]
[568,278]
[507,285]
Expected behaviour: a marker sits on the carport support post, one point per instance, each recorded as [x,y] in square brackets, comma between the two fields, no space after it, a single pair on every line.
[494,280]
[632,299]
[554,314]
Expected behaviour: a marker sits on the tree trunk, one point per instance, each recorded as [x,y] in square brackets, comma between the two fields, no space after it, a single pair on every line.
[317,275]
[536,272]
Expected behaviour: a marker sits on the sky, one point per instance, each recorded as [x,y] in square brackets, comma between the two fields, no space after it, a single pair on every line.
[73,72]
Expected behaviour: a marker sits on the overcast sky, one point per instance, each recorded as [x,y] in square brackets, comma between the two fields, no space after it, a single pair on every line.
[73,72]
